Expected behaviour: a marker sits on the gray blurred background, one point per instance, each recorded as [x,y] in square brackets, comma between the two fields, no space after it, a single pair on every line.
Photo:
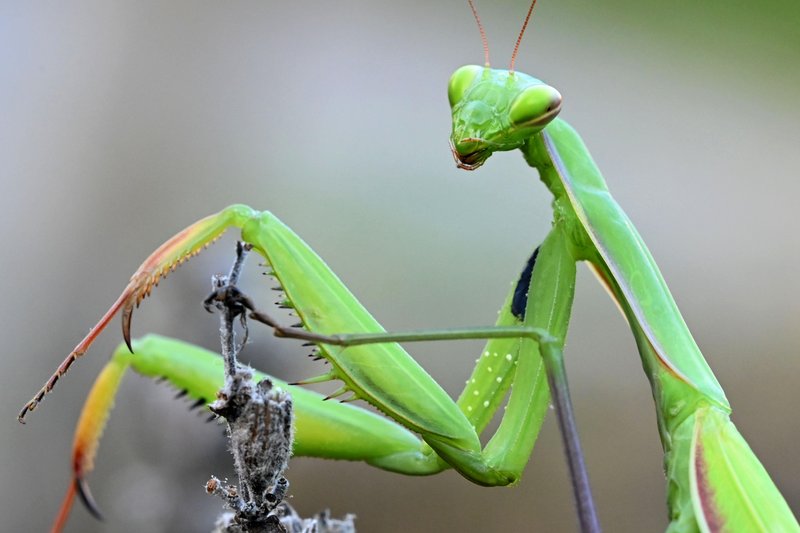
[123,122]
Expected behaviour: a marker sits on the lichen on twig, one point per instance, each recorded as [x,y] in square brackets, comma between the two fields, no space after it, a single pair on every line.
[260,429]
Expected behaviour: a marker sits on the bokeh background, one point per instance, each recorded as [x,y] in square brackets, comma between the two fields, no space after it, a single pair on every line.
[123,122]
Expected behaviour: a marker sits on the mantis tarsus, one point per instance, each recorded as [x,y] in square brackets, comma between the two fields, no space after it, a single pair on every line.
[471,158]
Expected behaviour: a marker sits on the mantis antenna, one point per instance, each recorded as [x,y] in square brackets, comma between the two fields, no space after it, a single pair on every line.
[519,39]
[483,34]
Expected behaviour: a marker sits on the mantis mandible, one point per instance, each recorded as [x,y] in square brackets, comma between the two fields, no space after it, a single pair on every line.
[587,226]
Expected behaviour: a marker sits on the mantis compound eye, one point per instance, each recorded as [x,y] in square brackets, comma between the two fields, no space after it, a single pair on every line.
[536,105]
[460,81]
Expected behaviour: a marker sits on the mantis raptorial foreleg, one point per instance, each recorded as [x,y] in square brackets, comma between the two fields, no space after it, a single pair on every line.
[383,374]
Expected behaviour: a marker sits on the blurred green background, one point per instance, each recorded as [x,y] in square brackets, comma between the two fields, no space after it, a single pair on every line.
[123,122]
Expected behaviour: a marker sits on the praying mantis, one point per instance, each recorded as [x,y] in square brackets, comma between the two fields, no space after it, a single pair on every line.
[470,160]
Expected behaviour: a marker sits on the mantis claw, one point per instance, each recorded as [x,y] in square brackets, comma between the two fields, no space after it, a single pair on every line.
[230,297]
[86,497]
[210,303]
[28,407]
[127,317]
[80,487]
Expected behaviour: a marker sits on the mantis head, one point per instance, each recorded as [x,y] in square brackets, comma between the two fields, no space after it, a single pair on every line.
[496,110]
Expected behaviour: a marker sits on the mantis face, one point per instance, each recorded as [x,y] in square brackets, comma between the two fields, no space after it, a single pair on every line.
[496,110]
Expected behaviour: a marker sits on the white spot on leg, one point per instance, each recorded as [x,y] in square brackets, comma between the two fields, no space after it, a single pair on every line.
[508,357]
[486,403]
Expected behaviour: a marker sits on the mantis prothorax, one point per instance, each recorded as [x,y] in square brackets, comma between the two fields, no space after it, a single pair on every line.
[715,482]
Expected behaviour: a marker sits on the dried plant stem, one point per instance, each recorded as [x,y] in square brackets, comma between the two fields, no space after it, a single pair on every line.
[260,429]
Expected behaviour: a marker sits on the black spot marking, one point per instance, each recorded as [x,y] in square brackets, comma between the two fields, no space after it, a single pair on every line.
[520,300]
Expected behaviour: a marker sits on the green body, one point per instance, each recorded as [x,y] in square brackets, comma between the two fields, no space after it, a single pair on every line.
[715,483]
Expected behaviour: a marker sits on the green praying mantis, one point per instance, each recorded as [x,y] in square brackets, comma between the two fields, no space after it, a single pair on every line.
[493,110]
